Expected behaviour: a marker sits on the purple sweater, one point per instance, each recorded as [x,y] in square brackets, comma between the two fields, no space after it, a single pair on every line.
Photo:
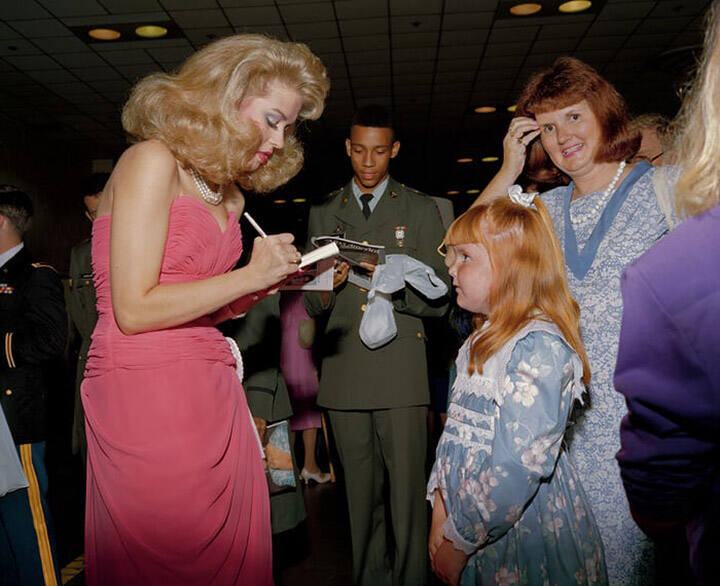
[668,368]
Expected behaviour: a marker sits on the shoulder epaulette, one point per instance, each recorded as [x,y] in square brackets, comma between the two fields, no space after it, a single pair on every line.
[413,190]
[331,196]
[43,265]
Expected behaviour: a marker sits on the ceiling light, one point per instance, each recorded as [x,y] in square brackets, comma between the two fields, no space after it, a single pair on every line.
[574,6]
[452,192]
[280,201]
[512,108]
[472,191]
[465,160]
[526,9]
[104,34]
[299,200]
[151,31]
[485,109]
[490,159]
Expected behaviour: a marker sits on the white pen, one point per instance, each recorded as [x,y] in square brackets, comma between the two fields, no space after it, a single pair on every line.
[255,225]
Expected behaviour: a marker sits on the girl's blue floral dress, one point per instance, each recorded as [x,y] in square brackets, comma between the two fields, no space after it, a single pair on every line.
[513,499]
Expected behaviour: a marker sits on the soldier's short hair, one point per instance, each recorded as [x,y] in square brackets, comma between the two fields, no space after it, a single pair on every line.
[374,116]
[16,206]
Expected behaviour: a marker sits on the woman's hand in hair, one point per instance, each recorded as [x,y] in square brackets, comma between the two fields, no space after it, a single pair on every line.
[521,132]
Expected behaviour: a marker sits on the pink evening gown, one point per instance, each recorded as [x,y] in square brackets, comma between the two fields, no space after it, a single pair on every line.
[176,492]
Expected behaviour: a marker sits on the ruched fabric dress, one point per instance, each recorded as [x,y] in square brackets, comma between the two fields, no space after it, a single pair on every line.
[176,492]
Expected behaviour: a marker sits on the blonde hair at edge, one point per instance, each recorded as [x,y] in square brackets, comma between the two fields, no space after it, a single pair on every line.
[528,280]
[698,189]
[194,110]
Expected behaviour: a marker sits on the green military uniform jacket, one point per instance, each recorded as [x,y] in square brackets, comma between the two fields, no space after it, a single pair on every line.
[258,335]
[354,377]
[83,317]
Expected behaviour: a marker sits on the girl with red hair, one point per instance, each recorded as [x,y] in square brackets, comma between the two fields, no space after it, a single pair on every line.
[508,506]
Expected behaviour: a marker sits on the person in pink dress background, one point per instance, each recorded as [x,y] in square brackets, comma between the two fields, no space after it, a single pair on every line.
[300,373]
[176,492]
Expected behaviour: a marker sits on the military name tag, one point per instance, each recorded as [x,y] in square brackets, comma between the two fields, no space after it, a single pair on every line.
[6,289]
[400,235]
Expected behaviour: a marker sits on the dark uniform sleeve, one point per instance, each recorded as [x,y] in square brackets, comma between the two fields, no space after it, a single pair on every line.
[42,330]
[312,300]
[258,337]
[432,231]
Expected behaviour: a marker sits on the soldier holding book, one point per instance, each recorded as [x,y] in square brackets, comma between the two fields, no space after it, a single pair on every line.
[377,399]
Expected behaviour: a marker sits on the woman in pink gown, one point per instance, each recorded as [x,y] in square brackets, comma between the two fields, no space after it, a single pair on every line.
[176,492]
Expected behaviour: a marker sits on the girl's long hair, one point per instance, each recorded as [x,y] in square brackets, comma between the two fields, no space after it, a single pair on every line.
[528,276]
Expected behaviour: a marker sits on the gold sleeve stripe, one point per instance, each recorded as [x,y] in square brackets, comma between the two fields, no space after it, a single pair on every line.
[8,350]
[43,265]
[38,515]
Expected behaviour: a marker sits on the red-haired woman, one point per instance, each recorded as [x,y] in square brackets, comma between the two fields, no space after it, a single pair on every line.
[606,214]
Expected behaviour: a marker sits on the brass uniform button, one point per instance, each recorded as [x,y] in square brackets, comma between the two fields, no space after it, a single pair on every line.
[419,335]
[363,307]
[8,392]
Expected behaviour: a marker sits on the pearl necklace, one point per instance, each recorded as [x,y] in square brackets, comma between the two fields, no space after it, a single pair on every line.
[599,202]
[210,196]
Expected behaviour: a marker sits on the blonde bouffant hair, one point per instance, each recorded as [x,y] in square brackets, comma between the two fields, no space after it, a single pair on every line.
[194,110]
[698,148]
[528,276]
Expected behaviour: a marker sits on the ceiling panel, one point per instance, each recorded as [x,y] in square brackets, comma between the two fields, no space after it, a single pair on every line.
[84,59]
[367,43]
[201,18]
[346,9]
[626,10]
[43,27]
[63,8]
[54,45]
[32,62]
[472,20]
[410,40]
[364,26]
[427,23]
[135,17]
[52,76]
[294,13]
[416,7]
[120,6]
[22,9]
[202,36]
[313,30]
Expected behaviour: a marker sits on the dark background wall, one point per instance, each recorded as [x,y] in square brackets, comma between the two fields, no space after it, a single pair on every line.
[52,173]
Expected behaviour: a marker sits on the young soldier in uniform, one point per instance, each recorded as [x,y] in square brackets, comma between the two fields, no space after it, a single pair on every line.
[377,399]
[33,329]
[81,306]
